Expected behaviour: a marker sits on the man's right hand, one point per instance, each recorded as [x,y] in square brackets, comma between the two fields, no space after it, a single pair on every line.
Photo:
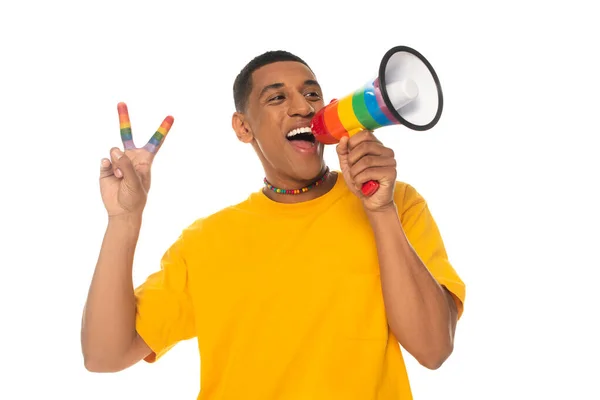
[125,178]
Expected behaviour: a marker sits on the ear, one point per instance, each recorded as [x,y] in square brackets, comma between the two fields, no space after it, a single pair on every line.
[241,127]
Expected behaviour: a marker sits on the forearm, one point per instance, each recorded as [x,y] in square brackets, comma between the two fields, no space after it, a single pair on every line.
[417,307]
[108,325]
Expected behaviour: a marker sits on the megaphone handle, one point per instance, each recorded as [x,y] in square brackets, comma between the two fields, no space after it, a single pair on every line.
[369,188]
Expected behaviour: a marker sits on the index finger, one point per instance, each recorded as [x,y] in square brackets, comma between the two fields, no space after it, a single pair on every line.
[362,136]
[125,126]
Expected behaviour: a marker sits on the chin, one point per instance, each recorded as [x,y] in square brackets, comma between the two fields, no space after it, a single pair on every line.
[310,171]
[305,166]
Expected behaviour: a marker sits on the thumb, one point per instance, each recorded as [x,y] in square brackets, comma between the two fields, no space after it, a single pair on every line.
[124,168]
[342,147]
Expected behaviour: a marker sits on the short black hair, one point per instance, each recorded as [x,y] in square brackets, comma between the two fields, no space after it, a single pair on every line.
[242,85]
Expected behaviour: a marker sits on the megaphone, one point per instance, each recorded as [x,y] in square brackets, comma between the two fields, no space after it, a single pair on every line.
[406,92]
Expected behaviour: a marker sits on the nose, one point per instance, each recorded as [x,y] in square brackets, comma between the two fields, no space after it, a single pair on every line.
[300,106]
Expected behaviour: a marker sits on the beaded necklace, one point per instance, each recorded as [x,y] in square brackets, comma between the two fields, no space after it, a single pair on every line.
[301,190]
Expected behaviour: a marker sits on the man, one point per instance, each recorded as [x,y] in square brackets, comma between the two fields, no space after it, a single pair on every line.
[302,291]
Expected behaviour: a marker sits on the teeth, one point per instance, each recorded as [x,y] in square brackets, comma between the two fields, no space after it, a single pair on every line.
[298,131]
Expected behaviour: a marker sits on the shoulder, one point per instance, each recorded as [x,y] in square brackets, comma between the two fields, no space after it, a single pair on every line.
[406,196]
[219,220]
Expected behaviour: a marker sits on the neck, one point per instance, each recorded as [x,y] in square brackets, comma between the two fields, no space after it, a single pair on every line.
[310,194]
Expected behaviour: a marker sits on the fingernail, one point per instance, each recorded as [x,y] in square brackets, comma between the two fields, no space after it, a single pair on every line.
[118,173]
[117,154]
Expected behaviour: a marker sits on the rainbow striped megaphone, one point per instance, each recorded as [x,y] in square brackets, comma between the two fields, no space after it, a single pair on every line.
[406,92]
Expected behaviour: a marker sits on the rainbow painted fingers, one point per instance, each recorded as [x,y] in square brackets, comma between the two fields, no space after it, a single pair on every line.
[126,136]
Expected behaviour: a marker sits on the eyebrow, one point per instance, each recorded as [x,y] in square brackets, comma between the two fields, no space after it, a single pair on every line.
[278,85]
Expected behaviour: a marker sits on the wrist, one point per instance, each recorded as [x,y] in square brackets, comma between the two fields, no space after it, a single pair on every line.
[382,217]
[383,211]
[126,220]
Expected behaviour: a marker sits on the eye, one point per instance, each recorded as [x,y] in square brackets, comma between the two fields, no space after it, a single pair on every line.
[314,95]
[276,98]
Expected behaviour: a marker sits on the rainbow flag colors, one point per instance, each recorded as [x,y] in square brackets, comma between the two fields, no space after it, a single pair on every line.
[127,136]
[125,126]
[364,109]
[159,135]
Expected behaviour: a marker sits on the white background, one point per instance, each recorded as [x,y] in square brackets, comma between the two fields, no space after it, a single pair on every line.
[510,171]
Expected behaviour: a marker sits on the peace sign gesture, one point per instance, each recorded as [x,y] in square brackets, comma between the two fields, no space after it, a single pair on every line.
[125,178]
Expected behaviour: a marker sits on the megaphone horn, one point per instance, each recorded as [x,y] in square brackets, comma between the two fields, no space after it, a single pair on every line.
[406,92]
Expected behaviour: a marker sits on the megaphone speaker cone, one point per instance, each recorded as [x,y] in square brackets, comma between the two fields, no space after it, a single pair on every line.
[410,88]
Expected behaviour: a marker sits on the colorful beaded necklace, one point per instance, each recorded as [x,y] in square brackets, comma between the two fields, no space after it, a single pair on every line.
[301,190]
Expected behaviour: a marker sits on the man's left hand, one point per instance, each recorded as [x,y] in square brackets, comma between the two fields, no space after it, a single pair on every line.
[363,158]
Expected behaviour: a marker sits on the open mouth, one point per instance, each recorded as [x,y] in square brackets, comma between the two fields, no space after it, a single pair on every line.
[301,135]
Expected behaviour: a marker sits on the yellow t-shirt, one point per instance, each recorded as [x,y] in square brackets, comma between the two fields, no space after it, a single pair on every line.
[285,299]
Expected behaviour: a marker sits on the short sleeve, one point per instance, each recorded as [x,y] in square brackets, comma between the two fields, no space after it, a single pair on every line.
[423,234]
[165,314]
